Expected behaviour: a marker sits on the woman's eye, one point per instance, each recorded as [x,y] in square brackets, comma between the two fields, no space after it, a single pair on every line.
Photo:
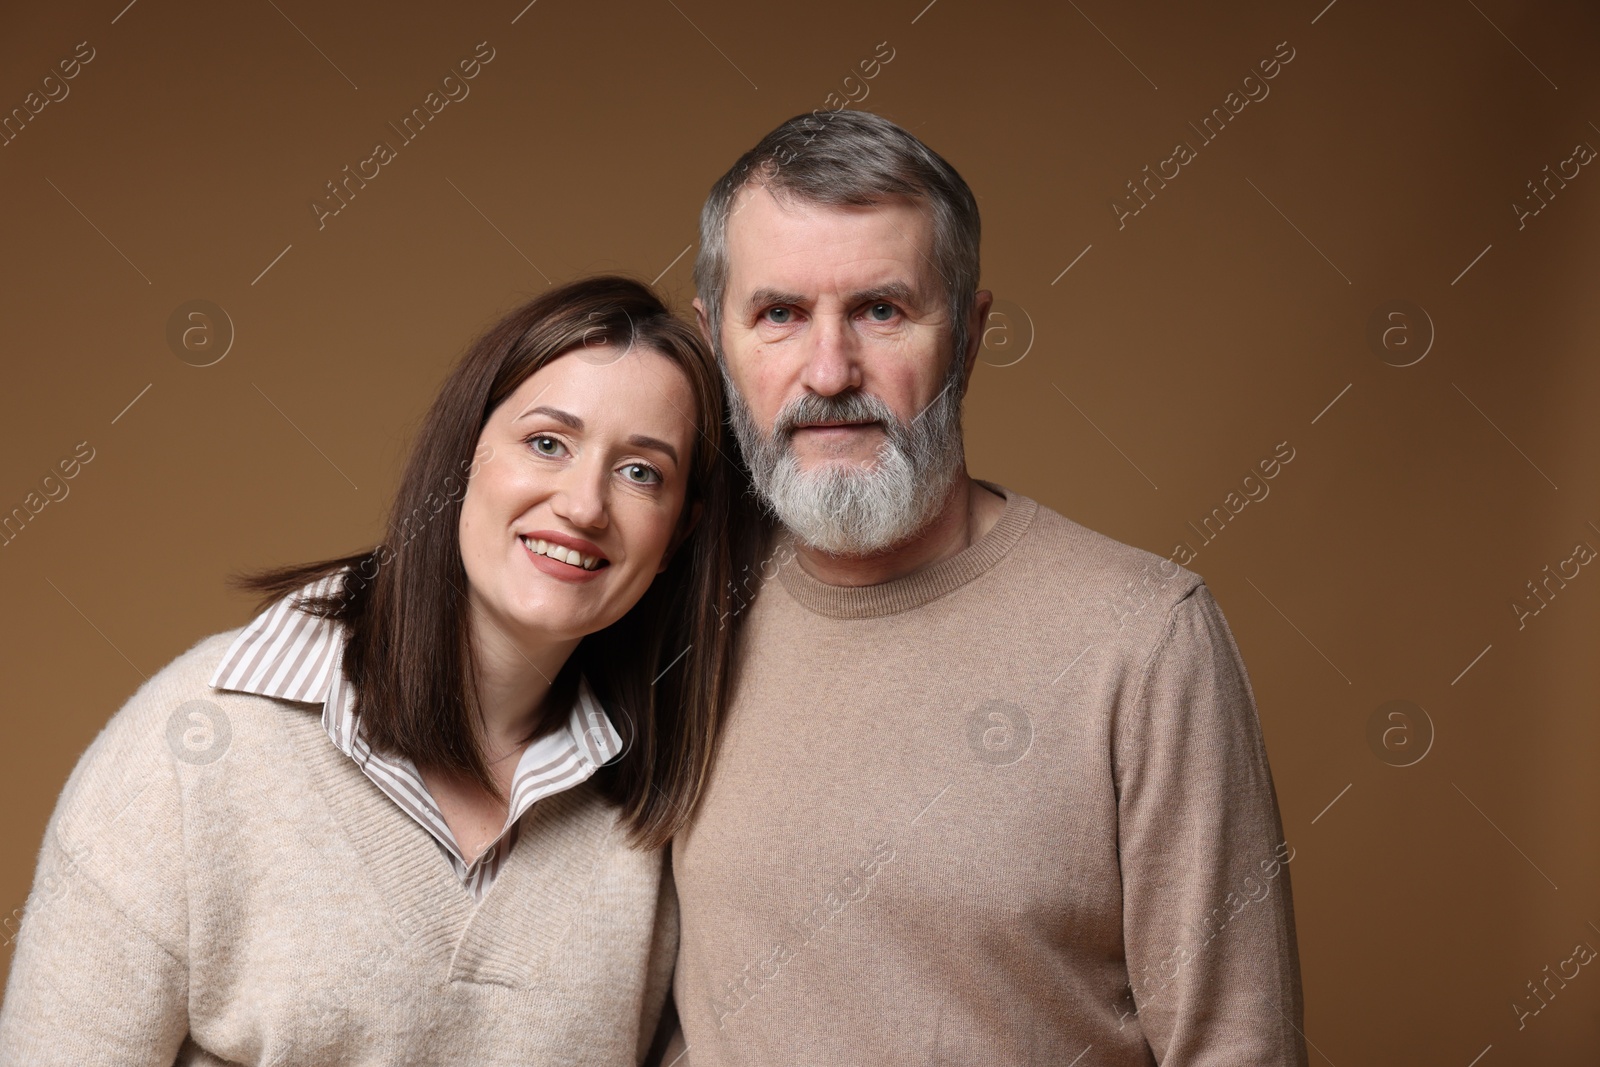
[545,445]
[880,312]
[779,316]
[641,474]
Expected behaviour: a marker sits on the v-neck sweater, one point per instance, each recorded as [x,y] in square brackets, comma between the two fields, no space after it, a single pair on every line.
[291,654]
[220,885]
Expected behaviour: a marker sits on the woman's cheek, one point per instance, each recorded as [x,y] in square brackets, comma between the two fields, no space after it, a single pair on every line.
[654,526]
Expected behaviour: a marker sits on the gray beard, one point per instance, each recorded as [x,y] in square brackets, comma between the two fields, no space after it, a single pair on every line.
[848,509]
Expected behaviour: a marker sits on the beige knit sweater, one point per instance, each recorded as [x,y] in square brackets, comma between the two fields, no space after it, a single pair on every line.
[1012,809]
[219,885]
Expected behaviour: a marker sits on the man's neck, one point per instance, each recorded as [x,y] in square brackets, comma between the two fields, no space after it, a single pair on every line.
[969,512]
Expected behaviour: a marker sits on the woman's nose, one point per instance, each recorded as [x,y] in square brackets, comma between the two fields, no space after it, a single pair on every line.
[581,497]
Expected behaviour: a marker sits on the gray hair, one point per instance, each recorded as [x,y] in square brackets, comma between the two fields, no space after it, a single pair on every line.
[858,159]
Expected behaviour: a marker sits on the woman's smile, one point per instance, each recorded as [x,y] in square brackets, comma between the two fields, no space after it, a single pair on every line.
[571,559]
[587,488]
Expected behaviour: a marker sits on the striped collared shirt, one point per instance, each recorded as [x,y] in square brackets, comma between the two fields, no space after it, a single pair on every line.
[288,654]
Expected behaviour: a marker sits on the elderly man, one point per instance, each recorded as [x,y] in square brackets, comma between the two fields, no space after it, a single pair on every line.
[993,789]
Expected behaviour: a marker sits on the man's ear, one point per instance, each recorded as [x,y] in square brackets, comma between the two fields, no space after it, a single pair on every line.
[685,527]
[703,322]
[982,301]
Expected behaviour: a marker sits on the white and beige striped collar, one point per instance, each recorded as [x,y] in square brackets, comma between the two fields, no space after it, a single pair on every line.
[287,654]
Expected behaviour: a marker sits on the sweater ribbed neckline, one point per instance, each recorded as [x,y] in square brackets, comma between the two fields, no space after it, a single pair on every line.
[508,937]
[919,587]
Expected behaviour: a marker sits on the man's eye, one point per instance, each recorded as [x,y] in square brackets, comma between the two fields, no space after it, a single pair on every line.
[544,444]
[881,312]
[641,474]
[779,316]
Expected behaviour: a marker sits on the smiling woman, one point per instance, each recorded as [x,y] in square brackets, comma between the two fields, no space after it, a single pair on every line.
[604,348]
[467,752]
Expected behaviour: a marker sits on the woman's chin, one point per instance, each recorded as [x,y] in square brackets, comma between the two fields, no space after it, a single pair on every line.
[552,619]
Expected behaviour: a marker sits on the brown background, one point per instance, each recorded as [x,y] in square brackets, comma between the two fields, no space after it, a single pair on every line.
[1223,319]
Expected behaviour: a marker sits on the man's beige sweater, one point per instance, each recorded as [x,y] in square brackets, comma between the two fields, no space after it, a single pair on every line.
[1011,809]
[220,885]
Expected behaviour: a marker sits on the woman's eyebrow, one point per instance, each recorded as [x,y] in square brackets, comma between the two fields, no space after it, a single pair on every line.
[564,417]
[639,440]
[572,421]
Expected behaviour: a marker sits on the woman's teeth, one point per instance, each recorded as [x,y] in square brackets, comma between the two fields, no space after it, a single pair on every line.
[562,555]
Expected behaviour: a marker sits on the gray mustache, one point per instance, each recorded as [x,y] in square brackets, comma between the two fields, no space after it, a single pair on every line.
[854,406]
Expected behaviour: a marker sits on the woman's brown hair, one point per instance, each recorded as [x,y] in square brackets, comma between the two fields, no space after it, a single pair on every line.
[662,671]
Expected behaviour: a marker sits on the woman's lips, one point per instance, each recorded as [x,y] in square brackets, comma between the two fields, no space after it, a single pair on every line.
[574,551]
[559,568]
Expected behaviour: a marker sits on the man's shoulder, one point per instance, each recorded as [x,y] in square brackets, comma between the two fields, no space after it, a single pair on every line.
[1088,568]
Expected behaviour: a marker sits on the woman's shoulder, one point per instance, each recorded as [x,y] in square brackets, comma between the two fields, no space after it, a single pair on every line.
[139,725]
[119,822]
[174,718]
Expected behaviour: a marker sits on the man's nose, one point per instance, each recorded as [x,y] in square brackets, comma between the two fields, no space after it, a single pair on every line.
[833,357]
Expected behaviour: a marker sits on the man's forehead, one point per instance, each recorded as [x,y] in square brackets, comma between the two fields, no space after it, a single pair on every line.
[849,246]
[761,206]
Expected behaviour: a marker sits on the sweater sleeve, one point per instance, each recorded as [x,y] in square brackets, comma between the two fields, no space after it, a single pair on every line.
[99,975]
[1208,923]
[658,1017]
